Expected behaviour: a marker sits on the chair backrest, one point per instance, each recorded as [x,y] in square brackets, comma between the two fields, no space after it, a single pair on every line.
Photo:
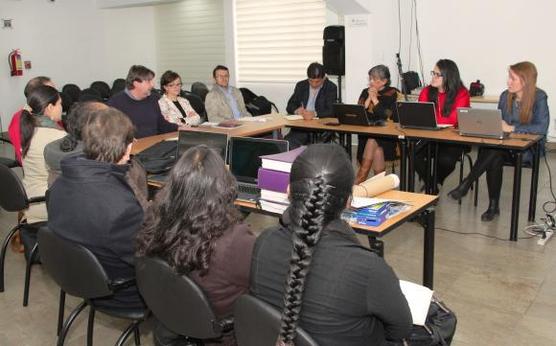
[72,266]
[117,86]
[12,193]
[177,301]
[90,94]
[197,104]
[258,323]
[200,89]
[67,102]
[102,87]
[72,90]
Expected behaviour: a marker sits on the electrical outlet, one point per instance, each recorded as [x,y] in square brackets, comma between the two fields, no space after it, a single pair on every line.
[7,23]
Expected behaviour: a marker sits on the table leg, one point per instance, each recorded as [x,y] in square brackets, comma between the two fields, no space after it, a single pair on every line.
[428,247]
[348,144]
[427,177]
[516,196]
[534,182]
[403,165]
[377,246]
[434,188]
[411,167]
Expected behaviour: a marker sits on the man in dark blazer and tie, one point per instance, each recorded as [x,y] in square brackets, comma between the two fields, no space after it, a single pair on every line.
[312,97]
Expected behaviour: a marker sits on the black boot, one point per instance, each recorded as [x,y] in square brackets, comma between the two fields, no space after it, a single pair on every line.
[461,189]
[492,211]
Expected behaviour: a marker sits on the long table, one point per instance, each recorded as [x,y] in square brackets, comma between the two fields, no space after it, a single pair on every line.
[518,143]
[421,208]
[267,124]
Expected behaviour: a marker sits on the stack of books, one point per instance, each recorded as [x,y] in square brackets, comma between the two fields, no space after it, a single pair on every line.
[372,215]
[372,211]
[274,178]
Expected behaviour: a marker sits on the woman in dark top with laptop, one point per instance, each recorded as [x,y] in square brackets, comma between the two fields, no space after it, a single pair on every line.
[379,100]
[524,110]
[194,226]
[338,291]
[448,93]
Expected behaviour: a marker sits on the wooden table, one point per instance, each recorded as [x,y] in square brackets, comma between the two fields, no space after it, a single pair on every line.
[518,143]
[271,123]
[422,209]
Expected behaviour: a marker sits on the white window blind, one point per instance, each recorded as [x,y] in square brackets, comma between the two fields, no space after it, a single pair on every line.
[277,39]
[190,39]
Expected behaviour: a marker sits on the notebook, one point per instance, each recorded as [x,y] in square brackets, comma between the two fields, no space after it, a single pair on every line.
[418,115]
[355,115]
[245,162]
[480,123]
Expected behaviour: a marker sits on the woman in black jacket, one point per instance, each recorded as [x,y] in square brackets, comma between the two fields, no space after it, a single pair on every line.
[335,289]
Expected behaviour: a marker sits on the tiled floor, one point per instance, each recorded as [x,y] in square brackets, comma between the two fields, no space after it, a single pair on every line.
[502,292]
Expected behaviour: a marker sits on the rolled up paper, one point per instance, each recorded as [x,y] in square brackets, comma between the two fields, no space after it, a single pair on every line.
[376,186]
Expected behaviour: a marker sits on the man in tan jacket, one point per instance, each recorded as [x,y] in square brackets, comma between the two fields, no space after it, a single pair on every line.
[224,102]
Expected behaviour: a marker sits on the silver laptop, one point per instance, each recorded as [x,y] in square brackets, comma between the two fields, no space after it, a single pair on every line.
[478,122]
[245,162]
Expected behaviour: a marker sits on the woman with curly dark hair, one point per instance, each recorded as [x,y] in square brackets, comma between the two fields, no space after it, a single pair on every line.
[338,291]
[194,226]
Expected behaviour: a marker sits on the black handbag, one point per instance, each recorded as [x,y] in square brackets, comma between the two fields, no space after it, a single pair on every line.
[439,328]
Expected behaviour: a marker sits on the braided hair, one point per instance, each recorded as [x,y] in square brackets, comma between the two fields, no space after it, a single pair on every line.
[321,181]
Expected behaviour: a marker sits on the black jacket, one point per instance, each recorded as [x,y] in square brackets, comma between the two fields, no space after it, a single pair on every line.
[351,297]
[323,104]
[92,204]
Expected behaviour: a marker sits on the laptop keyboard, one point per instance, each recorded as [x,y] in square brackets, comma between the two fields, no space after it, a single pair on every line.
[248,192]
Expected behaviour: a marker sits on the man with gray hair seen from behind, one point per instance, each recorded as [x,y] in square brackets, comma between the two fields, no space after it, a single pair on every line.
[140,105]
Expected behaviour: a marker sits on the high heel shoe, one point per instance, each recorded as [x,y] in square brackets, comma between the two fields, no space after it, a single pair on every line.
[461,190]
[492,211]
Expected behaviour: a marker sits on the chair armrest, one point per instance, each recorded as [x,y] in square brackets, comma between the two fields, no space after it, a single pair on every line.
[37,199]
[120,284]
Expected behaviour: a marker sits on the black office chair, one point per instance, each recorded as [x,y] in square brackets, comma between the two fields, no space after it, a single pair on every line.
[73,91]
[196,103]
[90,94]
[67,102]
[117,86]
[465,155]
[78,273]
[177,301]
[13,198]
[103,89]
[200,89]
[258,323]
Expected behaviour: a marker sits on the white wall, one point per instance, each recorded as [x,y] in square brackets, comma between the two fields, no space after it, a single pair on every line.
[72,41]
[482,37]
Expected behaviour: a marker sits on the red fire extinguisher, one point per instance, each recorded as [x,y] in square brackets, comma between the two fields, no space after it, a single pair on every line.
[16,64]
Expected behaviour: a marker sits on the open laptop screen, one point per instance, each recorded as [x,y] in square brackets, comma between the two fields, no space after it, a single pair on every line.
[245,152]
[417,114]
[189,139]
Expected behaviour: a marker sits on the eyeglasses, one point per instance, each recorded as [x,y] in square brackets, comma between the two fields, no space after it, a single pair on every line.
[436,74]
[174,85]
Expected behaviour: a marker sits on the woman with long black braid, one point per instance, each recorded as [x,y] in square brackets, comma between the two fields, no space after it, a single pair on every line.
[337,290]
